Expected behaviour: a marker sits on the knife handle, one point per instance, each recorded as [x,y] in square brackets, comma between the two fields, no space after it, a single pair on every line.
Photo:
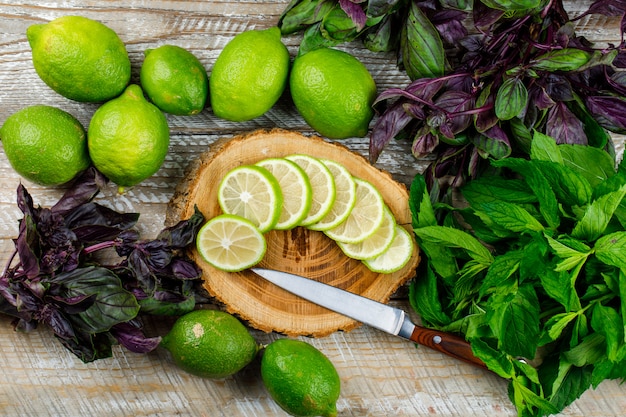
[447,343]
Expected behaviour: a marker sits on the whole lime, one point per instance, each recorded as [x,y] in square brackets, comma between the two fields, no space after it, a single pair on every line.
[128,138]
[334,92]
[45,144]
[80,58]
[249,75]
[175,80]
[210,344]
[300,378]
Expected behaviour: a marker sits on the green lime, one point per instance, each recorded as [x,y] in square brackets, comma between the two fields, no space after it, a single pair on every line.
[79,58]
[334,93]
[128,138]
[300,378]
[249,75]
[175,80]
[210,344]
[45,145]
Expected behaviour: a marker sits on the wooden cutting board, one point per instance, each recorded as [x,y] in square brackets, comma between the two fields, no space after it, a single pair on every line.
[300,250]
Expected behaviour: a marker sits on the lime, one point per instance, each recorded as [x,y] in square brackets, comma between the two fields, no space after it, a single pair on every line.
[79,58]
[334,92]
[230,243]
[345,190]
[295,188]
[251,192]
[175,80]
[210,344]
[396,256]
[45,145]
[322,187]
[300,378]
[128,138]
[374,245]
[249,75]
[365,217]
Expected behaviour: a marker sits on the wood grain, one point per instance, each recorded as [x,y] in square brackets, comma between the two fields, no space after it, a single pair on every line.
[381,375]
[301,251]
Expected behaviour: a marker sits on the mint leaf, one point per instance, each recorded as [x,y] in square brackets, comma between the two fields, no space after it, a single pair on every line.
[610,249]
[607,322]
[488,189]
[515,321]
[509,216]
[594,164]
[597,215]
[455,238]
[544,148]
[424,297]
[571,188]
[420,203]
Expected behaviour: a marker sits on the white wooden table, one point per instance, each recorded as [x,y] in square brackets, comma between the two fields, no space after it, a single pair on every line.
[381,375]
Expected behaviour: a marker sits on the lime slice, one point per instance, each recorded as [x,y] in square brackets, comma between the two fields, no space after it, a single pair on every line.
[295,188]
[345,190]
[374,245]
[365,217]
[251,192]
[231,243]
[322,185]
[396,256]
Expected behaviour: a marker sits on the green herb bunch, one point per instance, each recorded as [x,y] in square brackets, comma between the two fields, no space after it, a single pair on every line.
[532,271]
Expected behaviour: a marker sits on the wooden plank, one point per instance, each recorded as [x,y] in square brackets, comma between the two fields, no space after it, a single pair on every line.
[381,375]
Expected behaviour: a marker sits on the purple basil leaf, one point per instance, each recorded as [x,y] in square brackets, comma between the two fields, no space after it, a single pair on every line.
[424,144]
[494,142]
[84,188]
[132,338]
[75,304]
[456,104]
[25,201]
[58,322]
[355,12]
[450,25]
[141,271]
[609,111]
[27,246]
[484,16]
[184,232]
[184,269]
[386,128]
[89,347]
[607,8]
[539,97]
[558,88]
[90,214]
[564,126]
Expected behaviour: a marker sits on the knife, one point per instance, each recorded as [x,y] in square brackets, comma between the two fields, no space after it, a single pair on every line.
[373,313]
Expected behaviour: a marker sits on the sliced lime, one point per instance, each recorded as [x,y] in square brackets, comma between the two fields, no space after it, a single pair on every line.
[322,185]
[345,190]
[365,217]
[374,245]
[251,192]
[231,243]
[396,256]
[296,190]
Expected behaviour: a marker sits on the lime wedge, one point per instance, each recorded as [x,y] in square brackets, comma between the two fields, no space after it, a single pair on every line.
[365,217]
[251,192]
[396,256]
[322,185]
[374,245]
[345,190]
[231,243]
[296,190]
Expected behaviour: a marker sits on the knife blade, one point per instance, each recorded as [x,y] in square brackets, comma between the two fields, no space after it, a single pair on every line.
[372,313]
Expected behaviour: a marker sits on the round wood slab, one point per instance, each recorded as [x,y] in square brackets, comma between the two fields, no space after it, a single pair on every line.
[301,251]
